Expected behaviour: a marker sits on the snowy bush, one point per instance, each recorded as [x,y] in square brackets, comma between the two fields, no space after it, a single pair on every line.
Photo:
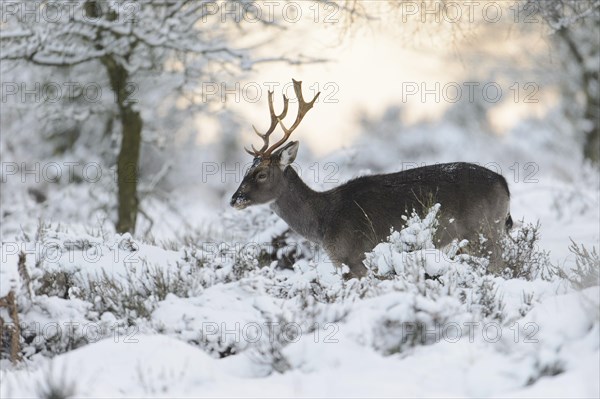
[428,287]
[225,299]
[56,385]
[438,287]
[523,257]
[260,230]
[587,267]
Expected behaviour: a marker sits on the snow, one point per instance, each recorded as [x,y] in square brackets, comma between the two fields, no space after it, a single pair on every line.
[151,365]
[347,347]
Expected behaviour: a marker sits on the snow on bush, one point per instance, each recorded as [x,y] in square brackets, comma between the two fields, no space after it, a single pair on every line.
[78,290]
[587,267]
[439,287]
[522,256]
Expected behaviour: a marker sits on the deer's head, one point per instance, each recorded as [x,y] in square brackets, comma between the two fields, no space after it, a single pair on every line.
[263,181]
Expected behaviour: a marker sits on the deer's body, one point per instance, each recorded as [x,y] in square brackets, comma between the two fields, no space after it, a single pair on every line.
[353,218]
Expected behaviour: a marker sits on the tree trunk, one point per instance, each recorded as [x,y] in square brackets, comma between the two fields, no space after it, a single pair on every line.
[131,131]
[127,169]
[591,149]
[129,154]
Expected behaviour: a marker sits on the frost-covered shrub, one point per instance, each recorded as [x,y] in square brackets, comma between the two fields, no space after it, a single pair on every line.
[55,283]
[522,256]
[435,288]
[127,299]
[587,267]
[413,295]
[430,287]
[415,320]
[286,249]
[547,365]
[55,386]
[526,303]
[270,238]
[268,351]
[407,248]
[485,302]
[426,308]
[127,280]
[110,283]
[136,293]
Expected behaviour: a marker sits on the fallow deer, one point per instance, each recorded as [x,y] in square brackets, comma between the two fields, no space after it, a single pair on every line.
[353,218]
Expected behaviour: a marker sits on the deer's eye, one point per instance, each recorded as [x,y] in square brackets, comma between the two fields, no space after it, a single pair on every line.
[261,176]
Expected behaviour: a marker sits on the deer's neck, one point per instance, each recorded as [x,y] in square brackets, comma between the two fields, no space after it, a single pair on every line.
[301,207]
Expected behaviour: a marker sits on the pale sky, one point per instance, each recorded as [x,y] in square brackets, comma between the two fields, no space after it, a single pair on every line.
[377,65]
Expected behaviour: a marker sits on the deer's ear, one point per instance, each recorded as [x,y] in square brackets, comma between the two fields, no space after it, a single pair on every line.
[287,154]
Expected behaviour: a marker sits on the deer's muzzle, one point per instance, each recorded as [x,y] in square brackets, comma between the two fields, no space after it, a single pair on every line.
[239,201]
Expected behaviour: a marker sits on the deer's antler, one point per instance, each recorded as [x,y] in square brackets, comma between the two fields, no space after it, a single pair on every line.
[303,108]
[274,120]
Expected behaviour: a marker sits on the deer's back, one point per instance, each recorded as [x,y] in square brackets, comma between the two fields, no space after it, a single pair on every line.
[364,209]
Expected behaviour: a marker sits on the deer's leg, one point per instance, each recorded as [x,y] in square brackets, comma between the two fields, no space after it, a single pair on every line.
[357,268]
[356,271]
[339,260]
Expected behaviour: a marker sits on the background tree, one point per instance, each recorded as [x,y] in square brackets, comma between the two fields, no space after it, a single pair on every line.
[178,43]
[574,31]
[571,65]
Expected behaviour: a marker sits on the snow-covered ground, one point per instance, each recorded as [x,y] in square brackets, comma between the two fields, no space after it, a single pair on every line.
[269,333]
